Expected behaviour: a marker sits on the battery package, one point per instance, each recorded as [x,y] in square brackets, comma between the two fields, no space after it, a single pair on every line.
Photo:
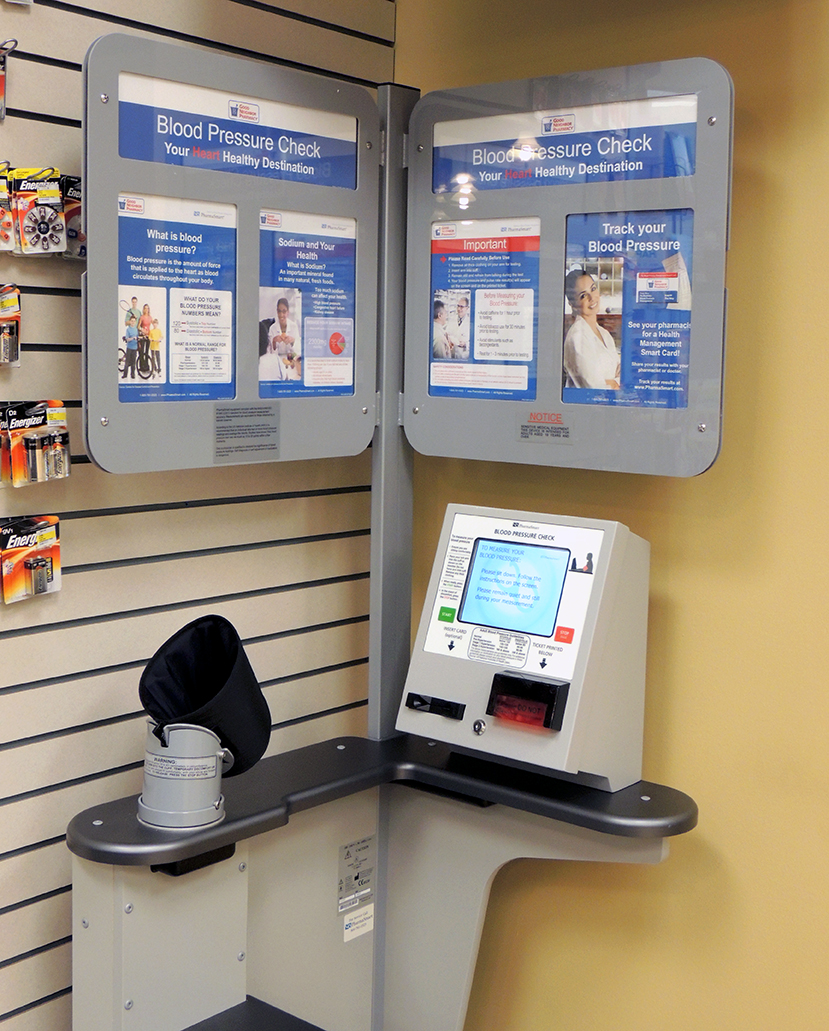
[70,189]
[9,325]
[29,557]
[37,208]
[34,442]
[6,218]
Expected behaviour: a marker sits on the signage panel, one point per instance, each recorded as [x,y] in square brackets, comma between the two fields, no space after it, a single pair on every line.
[216,187]
[653,138]
[175,123]
[601,347]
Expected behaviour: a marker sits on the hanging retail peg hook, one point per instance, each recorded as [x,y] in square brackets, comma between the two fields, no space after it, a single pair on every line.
[6,48]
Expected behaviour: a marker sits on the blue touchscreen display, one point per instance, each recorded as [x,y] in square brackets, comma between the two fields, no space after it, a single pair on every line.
[514,586]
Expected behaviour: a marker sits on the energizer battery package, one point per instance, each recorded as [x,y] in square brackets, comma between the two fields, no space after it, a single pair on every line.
[9,325]
[70,190]
[6,219]
[29,557]
[34,442]
[37,208]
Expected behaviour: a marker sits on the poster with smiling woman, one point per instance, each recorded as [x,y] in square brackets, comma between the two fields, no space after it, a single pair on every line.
[627,313]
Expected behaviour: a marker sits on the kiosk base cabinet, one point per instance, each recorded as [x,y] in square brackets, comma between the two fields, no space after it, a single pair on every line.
[268,941]
[151,951]
[159,953]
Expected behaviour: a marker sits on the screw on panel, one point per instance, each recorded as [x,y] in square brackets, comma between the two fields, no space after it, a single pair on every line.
[479,726]
[712,120]
[701,427]
[415,410]
[420,148]
[104,98]
[128,1004]
[128,908]
[365,411]
[84,923]
[104,421]
[241,957]
[242,867]
[368,144]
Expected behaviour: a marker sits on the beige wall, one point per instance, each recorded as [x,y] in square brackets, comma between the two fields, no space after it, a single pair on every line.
[731,932]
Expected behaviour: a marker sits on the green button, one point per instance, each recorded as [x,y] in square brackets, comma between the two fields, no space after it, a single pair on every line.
[446,615]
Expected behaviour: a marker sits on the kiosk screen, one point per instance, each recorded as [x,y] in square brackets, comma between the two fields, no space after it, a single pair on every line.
[513,586]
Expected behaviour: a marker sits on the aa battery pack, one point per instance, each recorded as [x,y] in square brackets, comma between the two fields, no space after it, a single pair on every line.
[9,325]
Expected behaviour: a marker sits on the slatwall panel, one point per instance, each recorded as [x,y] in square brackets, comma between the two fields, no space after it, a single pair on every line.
[281,551]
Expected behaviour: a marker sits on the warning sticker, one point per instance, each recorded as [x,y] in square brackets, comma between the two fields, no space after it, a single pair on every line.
[358,861]
[548,433]
[201,768]
[544,428]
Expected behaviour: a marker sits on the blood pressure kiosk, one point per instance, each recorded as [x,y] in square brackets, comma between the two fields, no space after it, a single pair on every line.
[343,886]
[535,627]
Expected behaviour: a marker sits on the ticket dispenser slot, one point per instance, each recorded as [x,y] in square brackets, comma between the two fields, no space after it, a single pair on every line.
[531,645]
[531,701]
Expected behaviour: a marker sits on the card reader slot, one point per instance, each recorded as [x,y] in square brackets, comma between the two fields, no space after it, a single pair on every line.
[436,706]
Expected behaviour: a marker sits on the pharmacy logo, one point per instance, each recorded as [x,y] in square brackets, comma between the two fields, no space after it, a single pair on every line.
[555,125]
[131,205]
[241,111]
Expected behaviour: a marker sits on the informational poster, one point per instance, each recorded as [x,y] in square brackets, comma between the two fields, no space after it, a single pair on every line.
[653,138]
[178,124]
[307,271]
[484,338]
[174,325]
[627,323]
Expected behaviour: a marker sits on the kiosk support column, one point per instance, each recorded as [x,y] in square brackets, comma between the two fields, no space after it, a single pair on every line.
[444,858]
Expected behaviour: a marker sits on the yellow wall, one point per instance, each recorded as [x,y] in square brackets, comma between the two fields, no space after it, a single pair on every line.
[732,931]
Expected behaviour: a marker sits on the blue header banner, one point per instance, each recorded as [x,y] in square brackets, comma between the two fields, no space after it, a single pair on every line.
[652,152]
[653,138]
[193,127]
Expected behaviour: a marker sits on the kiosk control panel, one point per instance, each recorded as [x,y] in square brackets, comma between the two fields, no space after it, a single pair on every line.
[531,646]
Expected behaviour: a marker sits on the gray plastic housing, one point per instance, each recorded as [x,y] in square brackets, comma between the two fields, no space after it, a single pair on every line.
[600,740]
